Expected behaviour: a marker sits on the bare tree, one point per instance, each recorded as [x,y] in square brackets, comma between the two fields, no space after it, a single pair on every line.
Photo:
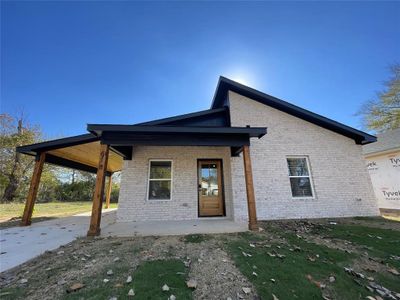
[383,112]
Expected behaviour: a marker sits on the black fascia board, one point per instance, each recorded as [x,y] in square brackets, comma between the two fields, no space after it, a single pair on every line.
[183,117]
[63,162]
[225,85]
[118,139]
[98,129]
[33,149]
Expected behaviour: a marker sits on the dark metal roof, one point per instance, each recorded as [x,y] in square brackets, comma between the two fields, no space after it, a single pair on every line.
[225,85]
[33,149]
[131,135]
[209,117]
[98,129]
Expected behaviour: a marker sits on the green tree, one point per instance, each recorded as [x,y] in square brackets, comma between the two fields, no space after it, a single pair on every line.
[383,112]
[14,166]
[56,183]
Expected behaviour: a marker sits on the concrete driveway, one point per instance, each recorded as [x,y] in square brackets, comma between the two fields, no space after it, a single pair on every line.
[20,244]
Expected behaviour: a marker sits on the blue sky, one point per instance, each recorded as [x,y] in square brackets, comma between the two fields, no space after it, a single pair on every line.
[69,64]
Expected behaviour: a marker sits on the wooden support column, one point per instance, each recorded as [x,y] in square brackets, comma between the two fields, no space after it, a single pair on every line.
[251,202]
[98,194]
[108,195]
[33,189]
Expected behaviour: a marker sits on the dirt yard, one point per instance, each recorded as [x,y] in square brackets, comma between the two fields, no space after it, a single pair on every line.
[318,259]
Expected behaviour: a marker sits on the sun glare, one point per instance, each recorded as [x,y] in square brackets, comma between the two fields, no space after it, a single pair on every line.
[241,80]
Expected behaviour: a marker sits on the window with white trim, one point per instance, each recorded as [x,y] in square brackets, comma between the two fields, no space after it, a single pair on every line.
[300,177]
[160,180]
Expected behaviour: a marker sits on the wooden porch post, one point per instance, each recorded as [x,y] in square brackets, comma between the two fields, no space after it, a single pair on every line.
[109,187]
[251,203]
[33,189]
[98,194]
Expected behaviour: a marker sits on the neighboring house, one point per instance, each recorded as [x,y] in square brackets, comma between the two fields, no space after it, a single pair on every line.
[198,165]
[383,164]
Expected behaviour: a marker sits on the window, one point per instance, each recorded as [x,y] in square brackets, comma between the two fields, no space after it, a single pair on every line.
[300,178]
[160,180]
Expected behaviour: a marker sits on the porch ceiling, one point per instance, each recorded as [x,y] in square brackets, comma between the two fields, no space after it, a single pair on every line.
[88,154]
[78,152]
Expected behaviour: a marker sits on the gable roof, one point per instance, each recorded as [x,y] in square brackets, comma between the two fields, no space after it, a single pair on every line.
[209,117]
[225,85]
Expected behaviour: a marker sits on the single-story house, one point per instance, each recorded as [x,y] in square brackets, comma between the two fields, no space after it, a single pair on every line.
[222,163]
[383,164]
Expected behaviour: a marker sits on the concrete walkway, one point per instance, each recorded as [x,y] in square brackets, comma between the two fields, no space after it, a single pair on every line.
[149,228]
[20,244]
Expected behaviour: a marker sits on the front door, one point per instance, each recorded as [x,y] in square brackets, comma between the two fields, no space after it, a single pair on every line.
[211,202]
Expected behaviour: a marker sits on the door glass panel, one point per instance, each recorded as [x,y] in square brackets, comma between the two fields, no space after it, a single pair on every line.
[209,180]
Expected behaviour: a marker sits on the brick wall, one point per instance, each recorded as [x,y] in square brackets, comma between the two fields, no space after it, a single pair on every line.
[133,204]
[341,182]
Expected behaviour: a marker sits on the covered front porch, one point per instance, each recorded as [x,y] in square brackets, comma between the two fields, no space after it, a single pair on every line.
[103,151]
[161,228]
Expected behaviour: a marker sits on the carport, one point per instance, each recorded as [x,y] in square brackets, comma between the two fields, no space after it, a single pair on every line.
[84,153]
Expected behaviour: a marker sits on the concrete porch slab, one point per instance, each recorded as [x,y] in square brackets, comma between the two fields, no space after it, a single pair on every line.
[158,228]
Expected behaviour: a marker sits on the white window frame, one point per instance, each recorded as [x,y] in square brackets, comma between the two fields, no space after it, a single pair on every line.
[162,179]
[294,176]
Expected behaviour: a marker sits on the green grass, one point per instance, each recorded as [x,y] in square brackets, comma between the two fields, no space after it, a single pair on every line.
[148,280]
[378,242]
[46,210]
[290,273]
[95,288]
[151,276]
[12,293]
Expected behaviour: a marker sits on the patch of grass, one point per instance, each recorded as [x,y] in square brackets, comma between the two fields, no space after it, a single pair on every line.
[290,273]
[151,276]
[369,219]
[12,293]
[195,238]
[10,213]
[381,219]
[389,281]
[378,242]
[17,221]
[95,288]
[148,280]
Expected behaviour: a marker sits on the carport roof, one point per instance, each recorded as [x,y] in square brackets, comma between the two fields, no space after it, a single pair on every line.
[79,152]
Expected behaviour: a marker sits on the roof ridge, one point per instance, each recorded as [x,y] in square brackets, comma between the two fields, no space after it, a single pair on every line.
[225,84]
[182,117]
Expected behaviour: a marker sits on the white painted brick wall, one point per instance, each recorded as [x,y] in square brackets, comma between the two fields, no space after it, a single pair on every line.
[133,204]
[337,167]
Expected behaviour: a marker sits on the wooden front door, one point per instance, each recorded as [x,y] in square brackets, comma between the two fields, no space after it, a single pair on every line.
[211,199]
